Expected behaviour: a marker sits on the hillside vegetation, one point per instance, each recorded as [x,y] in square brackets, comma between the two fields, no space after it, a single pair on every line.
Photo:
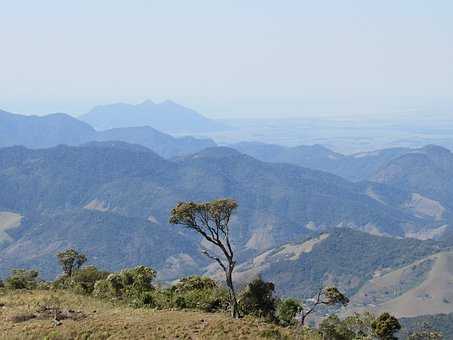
[125,193]
[343,257]
[101,320]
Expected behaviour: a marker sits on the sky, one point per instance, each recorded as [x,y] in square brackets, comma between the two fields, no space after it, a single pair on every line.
[226,58]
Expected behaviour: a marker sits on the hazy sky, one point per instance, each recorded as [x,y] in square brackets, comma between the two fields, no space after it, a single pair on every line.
[223,58]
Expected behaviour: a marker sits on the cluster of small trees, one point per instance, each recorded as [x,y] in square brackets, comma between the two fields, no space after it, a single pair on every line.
[136,286]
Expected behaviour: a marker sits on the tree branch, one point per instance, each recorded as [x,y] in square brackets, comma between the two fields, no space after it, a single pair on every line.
[219,261]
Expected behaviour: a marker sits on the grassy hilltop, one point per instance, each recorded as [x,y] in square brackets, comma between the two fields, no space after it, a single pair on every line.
[23,316]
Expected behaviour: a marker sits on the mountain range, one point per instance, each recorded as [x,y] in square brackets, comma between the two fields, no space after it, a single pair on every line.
[55,129]
[108,186]
[167,116]
[375,224]
[356,167]
[406,277]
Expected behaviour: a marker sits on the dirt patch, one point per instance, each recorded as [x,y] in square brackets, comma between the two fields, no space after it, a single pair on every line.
[55,313]
[48,313]
[21,317]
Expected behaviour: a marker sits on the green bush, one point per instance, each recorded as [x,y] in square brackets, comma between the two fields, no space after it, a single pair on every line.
[132,285]
[359,326]
[195,282]
[385,326]
[197,292]
[82,280]
[22,279]
[333,328]
[102,289]
[258,299]
[207,300]
[287,311]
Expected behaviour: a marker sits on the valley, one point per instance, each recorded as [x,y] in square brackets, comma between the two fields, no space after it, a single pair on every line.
[374,224]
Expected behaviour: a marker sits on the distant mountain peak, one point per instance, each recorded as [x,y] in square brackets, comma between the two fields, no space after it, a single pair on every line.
[167,116]
[147,102]
[431,148]
[170,102]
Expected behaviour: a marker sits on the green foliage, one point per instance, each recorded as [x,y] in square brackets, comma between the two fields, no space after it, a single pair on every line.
[333,296]
[190,214]
[428,325]
[71,260]
[22,279]
[102,289]
[195,282]
[333,328]
[287,310]
[349,257]
[138,278]
[208,300]
[82,281]
[258,299]
[385,326]
[359,326]
[211,221]
[198,292]
[425,335]
[132,285]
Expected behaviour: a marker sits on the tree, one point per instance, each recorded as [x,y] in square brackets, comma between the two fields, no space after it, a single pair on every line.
[326,296]
[211,220]
[385,326]
[71,260]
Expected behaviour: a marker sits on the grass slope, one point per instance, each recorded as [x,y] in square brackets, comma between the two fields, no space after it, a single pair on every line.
[106,321]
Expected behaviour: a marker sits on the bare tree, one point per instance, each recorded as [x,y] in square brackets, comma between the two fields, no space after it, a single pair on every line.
[326,296]
[211,220]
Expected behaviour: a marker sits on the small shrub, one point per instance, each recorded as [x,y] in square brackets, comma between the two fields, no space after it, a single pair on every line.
[22,279]
[287,310]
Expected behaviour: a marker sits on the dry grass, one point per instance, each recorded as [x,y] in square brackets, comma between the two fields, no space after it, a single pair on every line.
[105,321]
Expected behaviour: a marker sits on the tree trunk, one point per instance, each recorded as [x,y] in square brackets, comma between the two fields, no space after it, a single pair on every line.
[232,294]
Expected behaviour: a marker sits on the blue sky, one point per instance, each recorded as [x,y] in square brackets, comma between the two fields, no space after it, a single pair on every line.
[243,58]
